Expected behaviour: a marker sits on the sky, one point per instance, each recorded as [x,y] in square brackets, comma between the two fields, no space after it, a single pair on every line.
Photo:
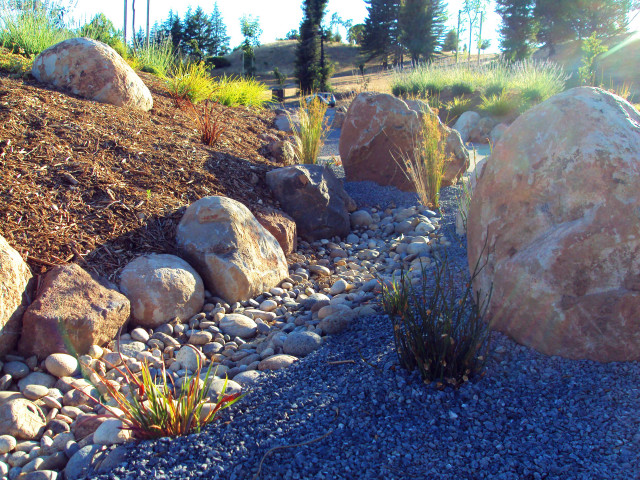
[276,17]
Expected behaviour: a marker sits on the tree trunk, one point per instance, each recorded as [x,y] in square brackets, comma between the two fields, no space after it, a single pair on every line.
[133,22]
[148,2]
[125,22]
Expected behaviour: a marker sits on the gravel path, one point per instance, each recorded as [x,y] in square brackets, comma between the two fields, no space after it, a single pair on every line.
[529,417]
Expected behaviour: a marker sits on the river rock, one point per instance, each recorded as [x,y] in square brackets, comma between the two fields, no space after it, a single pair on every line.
[238,325]
[160,288]
[62,365]
[21,419]
[301,344]
[236,256]
[91,69]
[555,218]
[276,362]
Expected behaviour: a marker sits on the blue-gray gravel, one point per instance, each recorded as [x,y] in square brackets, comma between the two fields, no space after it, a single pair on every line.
[529,417]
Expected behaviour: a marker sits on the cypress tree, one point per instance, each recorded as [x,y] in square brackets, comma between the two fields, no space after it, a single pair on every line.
[309,69]
[517,30]
[422,27]
[381,32]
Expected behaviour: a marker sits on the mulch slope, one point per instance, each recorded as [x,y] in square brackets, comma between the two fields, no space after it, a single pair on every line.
[99,185]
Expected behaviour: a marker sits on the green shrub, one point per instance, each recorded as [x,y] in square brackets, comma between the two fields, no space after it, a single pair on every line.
[457,107]
[459,89]
[234,91]
[494,88]
[102,29]
[218,62]
[15,64]
[153,410]
[190,82]
[438,328]
[309,135]
[505,103]
[30,31]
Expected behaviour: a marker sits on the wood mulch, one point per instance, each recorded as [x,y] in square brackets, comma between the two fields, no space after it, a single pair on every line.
[98,185]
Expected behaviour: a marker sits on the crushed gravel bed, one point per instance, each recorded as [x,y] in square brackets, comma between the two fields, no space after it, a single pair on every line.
[529,417]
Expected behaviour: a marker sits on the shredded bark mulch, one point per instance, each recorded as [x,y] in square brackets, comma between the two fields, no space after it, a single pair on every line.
[99,185]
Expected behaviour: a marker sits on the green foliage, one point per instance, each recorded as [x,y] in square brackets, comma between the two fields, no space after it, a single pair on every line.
[310,133]
[102,29]
[355,34]
[218,62]
[14,64]
[233,91]
[457,107]
[292,35]
[381,32]
[505,103]
[281,78]
[437,327]
[157,57]
[421,24]
[311,66]
[461,88]
[32,28]
[517,32]
[190,82]
[591,48]
[158,408]
[450,41]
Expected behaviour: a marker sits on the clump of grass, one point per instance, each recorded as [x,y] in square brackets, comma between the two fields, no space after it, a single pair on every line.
[209,120]
[310,133]
[233,91]
[157,58]
[438,328]
[14,64]
[29,31]
[502,104]
[164,410]
[461,88]
[425,163]
[189,82]
[457,107]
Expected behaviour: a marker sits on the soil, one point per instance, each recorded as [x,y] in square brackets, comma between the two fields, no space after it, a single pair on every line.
[98,185]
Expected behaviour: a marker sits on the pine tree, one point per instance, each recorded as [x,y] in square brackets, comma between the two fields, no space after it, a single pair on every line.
[450,41]
[198,34]
[310,71]
[219,37]
[421,25]
[517,31]
[173,28]
[381,32]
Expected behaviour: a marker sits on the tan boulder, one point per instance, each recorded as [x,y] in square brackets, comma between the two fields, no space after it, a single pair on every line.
[71,312]
[161,287]
[557,206]
[466,122]
[378,128]
[15,284]
[91,69]
[235,255]
[281,226]
[21,419]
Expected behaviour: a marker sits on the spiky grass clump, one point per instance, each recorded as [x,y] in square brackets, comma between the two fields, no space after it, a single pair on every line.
[153,410]
[500,105]
[209,120]
[438,328]
[233,91]
[190,82]
[310,133]
[29,31]
[157,58]
[457,107]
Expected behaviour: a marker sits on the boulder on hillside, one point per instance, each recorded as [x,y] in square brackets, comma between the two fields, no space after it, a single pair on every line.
[71,312]
[465,123]
[15,281]
[558,209]
[281,226]
[161,287]
[378,128]
[235,255]
[315,199]
[91,69]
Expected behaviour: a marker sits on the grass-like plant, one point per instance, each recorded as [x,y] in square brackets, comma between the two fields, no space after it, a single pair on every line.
[462,87]
[190,82]
[425,163]
[456,107]
[502,104]
[310,133]
[29,31]
[209,120]
[13,63]
[233,91]
[157,57]
[153,410]
[440,330]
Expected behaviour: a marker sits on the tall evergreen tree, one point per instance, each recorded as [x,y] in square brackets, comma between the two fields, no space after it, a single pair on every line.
[198,33]
[381,32]
[517,32]
[421,25]
[451,41]
[219,37]
[173,28]
[311,73]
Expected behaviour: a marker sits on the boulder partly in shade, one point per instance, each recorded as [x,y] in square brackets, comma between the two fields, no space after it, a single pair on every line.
[555,220]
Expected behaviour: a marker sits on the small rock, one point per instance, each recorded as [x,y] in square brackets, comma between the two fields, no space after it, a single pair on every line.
[276,362]
[111,432]
[200,338]
[268,305]
[339,287]
[34,392]
[7,443]
[301,344]
[335,323]
[17,370]
[61,365]
[190,357]
[140,334]
[37,378]
[360,218]
[237,325]
[21,419]
[218,383]
[247,378]
[80,464]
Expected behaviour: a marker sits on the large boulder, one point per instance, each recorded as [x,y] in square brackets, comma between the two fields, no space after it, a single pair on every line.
[90,69]
[161,287]
[379,128]
[555,217]
[281,226]
[466,123]
[15,282]
[71,312]
[236,256]
[315,199]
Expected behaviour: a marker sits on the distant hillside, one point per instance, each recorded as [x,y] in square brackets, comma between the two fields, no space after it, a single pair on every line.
[619,66]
